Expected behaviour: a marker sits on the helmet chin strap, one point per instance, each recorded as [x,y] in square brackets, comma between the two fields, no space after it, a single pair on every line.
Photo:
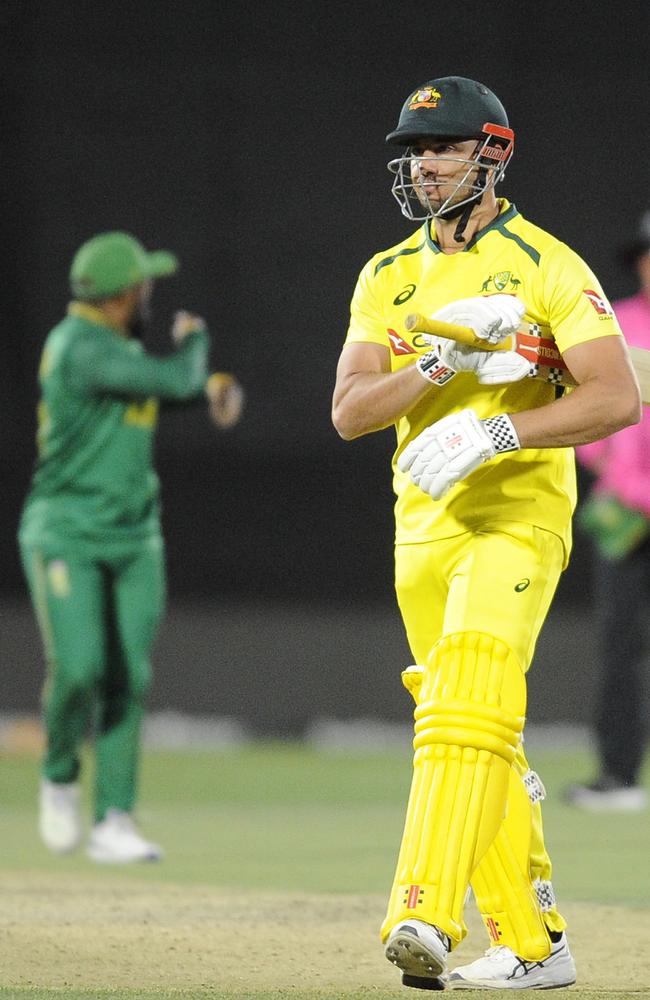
[464,219]
[465,210]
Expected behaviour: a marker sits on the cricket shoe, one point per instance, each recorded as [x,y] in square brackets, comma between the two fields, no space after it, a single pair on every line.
[501,969]
[607,795]
[117,840]
[59,820]
[420,951]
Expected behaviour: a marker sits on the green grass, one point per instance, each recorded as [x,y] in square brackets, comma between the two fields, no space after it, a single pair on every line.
[287,817]
[282,817]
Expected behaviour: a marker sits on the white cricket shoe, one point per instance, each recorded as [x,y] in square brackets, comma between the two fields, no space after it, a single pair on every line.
[500,969]
[117,840]
[59,820]
[420,951]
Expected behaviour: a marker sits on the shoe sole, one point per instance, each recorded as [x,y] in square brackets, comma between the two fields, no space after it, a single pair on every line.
[423,984]
[409,954]
[464,984]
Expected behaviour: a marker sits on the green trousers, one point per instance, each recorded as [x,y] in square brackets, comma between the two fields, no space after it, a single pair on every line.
[98,619]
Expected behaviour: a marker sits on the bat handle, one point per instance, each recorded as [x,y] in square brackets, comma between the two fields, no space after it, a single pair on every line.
[417,323]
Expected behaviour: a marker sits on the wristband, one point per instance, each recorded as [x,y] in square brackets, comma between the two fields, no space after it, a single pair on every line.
[502,433]
[433,369]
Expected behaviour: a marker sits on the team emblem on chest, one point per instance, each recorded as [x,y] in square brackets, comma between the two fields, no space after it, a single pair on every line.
[501,281]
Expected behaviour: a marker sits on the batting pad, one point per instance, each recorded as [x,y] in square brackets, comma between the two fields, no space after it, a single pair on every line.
[468,723]
[506,895]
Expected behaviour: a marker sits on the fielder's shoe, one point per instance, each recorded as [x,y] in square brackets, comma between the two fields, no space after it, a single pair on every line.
[607,795]
[420,951]
[59,820]
[500,969]
[117,840]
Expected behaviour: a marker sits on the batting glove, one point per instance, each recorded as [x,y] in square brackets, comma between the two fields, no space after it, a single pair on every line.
[490,367]
[447,451]
[492,317]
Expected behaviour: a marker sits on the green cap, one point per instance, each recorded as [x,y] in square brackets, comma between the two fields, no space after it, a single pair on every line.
[452,107]
[109,263]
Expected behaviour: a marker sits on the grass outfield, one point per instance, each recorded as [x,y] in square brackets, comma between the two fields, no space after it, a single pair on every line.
[278,863]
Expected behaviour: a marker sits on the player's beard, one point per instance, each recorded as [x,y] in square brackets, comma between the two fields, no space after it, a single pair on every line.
[448,188]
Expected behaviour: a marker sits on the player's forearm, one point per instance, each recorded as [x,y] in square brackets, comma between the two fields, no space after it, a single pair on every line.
[370,401]
[592,411]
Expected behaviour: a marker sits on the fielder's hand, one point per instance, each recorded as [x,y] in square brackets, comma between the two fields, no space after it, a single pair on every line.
[490,367]
[450,449]
[492,317]
[225,399]
[184,324]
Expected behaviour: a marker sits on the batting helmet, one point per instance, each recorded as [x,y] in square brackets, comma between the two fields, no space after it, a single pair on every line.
[450,107]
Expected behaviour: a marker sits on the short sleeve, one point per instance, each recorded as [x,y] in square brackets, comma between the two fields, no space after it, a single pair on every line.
[578,309]
[367,321]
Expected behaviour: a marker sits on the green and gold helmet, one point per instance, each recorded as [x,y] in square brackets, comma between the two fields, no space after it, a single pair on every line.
[450,108]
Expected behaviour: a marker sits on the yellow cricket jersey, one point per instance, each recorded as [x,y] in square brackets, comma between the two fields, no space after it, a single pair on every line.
[560,293]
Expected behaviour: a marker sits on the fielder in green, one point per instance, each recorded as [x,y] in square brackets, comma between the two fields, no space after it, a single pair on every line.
[90,535]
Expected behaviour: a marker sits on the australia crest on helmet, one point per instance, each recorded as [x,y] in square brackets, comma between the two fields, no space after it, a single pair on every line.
[426,97]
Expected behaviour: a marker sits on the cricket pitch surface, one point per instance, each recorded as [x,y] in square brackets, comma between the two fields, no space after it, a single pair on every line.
[69,934]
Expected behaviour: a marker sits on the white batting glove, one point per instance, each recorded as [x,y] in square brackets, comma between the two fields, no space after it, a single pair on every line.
[490,367]
[447,451]
[491,317]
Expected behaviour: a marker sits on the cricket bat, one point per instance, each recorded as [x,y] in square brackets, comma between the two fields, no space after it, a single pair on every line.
[531,342]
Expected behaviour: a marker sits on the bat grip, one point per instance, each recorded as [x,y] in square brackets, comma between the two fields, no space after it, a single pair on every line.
[417,323]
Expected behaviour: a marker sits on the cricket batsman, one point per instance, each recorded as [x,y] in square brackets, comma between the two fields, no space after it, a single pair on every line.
[485,483]
[90,535]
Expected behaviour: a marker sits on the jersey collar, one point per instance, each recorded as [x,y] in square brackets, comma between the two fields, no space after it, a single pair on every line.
[506,213]
[94,315]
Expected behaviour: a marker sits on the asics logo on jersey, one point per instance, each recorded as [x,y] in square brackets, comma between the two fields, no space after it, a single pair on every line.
[522,585]
[404,295]
[397,344]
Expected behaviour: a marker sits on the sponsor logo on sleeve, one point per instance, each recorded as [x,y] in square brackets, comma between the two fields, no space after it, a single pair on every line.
[599,302]
[397,344]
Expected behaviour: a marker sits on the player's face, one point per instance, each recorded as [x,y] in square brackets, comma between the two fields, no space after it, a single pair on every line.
[440,170]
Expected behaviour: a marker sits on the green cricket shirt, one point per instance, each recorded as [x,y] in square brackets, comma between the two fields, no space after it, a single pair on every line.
[94,485]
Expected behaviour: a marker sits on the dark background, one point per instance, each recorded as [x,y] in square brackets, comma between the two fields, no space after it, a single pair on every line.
[249,140]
